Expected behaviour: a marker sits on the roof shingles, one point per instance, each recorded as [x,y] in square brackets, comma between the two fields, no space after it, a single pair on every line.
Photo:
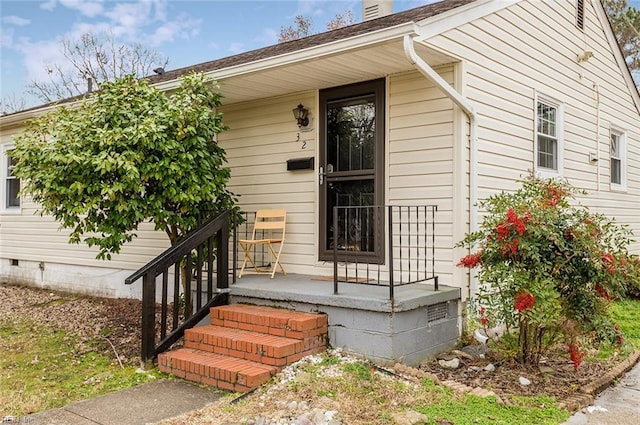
[412,15]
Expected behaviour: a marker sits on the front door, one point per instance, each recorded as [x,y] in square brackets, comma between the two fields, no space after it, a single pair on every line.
[351,169]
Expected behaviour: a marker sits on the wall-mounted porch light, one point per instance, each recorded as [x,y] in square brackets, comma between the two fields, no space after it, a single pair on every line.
[301,115]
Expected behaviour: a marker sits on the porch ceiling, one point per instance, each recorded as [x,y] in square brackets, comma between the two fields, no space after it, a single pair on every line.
[330,70]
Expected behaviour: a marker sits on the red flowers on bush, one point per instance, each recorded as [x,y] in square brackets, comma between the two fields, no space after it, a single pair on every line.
[524,301]
[471,260]
[536,240]
[602,292]
[553,196]
[483,319]
[609,262]
[513,222]
[575,355]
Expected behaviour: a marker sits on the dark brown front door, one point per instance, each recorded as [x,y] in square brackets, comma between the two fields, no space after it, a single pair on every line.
[351,168]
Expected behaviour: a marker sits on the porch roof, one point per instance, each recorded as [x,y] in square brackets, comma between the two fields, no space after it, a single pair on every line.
[364,51]
[359,52]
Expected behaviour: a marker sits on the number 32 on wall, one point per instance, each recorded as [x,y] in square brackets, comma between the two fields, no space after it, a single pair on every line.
[304,142]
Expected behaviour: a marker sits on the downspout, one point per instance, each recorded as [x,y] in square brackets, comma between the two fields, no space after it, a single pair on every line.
[596,87]
[468,109]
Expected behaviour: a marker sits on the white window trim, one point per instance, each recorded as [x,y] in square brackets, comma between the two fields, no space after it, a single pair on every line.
[3,186]
[622,140]
[548,173]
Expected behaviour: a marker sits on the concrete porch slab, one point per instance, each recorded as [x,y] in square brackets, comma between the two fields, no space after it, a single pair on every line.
[303,288]
[416,325]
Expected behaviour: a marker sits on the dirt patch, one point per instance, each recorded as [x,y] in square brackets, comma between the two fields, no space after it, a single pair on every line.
[107,325]
[555,376]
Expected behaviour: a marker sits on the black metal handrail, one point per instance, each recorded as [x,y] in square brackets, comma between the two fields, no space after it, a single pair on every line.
[359,252]
[210,240]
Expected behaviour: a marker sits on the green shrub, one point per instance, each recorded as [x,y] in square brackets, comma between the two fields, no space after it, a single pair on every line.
[549,268]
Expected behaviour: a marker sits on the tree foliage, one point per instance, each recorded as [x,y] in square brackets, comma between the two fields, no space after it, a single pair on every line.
[625,21]
[341,20]
[98,58]
[303,26]
[127,155]
[549,268]
[12,103]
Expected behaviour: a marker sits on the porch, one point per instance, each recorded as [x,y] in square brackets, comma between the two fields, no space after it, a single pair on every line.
[388,310]
[418,323]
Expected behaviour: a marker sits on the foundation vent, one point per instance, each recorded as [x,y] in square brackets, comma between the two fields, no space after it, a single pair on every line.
[437,312]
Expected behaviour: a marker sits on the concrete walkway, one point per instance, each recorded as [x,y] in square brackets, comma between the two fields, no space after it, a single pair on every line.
[143,404]
[619,405]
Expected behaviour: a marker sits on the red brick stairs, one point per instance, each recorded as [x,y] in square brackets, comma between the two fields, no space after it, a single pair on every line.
[245,345]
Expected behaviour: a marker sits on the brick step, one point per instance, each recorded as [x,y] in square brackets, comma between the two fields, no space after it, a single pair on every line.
[268,320]
[216,370]
[245,346]
[258,347]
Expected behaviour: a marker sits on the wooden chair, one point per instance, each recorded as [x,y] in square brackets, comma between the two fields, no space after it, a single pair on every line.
[271,225]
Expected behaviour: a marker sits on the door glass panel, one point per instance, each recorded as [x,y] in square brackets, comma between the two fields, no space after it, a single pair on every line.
[355,225]
[351,134]
[351,161]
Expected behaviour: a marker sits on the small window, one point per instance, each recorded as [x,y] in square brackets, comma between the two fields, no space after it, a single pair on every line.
[617,160]
[548,140]
[580,14]
[11,183]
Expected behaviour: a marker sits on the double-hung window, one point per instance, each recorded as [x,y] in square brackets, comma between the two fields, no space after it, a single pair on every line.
[617,160]
[548,145]
[10,183]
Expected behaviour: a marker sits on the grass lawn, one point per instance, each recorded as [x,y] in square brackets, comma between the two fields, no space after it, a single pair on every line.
[626,314]
[538,410]
[41,368]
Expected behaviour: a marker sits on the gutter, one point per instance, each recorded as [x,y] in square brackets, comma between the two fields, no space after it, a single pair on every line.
[468,109]
[332,48]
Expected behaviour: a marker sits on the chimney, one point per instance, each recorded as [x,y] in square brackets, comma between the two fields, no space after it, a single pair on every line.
[372,9]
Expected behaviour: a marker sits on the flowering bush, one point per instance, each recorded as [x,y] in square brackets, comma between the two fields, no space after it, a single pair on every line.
[548,268]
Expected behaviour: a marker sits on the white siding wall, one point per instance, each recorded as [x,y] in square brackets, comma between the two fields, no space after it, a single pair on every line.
[44,256]
[421,155]
[263,135]
[531,48]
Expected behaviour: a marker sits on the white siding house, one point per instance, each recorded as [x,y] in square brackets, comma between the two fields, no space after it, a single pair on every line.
[458,124]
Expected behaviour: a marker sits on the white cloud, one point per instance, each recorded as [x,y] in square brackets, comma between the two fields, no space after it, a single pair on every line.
[183,28]
[129,18]
[236,47]
[161,9]
[6,37]
[49,5]
[15,20]
[90,8]
[36,57]
[140,21]
[268,37]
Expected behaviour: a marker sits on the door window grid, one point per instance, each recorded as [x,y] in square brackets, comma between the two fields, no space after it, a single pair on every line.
[351,165]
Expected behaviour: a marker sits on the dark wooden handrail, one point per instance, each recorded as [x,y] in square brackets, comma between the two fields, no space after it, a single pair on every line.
[192,240]
[210,239]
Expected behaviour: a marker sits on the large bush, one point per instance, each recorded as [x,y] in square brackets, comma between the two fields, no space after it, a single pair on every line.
[548,268]
[128,154]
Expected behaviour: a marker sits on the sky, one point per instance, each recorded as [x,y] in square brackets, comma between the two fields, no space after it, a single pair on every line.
[186,31]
